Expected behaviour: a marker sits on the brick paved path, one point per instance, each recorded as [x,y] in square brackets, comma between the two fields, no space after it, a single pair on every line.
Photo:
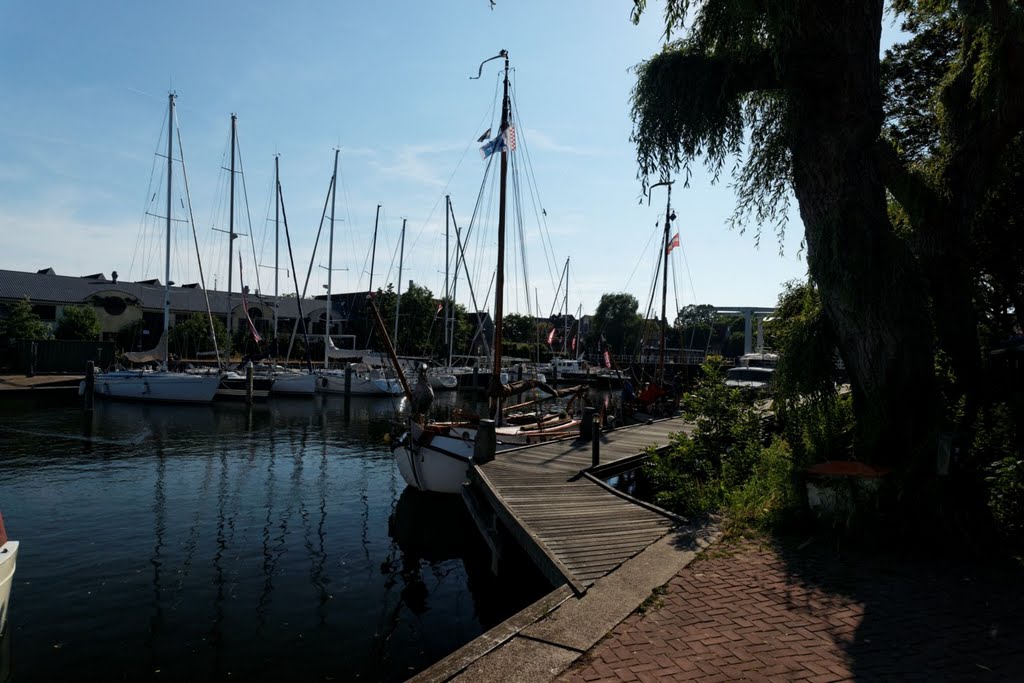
[753,611]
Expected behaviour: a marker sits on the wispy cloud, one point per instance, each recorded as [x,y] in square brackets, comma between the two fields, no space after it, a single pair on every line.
[542,141]
[413,162]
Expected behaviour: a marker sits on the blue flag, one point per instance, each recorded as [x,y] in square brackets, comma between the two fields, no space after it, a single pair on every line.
[495,145]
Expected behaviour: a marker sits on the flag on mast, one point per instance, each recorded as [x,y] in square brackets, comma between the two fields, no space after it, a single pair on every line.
[672,244]
[551,336]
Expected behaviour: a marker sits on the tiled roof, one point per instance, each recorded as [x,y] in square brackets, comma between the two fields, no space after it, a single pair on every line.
[62,289]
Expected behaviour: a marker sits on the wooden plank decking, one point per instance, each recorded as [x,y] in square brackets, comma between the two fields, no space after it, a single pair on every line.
[574,527]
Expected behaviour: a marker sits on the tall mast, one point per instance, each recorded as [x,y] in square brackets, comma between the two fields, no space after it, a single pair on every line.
[373,252]
[664,284]
[231,226]
[330,259]
[167,246]
[565,320]
[455,280]
[401,259]
[447,247]
[499,280]
[277,237]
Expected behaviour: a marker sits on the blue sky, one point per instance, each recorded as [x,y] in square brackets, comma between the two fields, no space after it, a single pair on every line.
[85,89]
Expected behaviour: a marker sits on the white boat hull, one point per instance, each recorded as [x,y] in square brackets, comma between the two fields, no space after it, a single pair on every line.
[294,384]
[439,466]
[443,382]
[334,383]
[8,563]
[175,387]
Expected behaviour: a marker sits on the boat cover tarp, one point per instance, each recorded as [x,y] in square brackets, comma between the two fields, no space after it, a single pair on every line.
[155,354]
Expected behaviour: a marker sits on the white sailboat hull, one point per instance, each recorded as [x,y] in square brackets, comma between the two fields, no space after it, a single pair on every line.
[334,383]
[294,384]
[8,563]
[439,382]
[174,387]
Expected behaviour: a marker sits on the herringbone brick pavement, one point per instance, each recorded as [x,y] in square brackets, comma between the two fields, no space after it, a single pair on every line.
[779,611]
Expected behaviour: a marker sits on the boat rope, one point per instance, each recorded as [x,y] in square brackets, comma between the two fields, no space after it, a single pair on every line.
[248,217]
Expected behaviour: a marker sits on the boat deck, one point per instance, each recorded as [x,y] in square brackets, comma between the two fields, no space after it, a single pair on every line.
[575,527]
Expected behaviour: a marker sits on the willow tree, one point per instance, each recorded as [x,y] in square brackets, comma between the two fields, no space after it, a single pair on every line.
[788,94]
[952,162]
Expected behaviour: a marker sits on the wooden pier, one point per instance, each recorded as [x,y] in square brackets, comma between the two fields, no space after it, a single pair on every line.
[575,527]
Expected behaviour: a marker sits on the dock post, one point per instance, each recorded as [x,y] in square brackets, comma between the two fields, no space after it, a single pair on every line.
[587,425]
[33,353]
[248,383]
[595,446]
[486,442]
[554,373]
[348,380]
[520,372]
[476,377]
[90,385]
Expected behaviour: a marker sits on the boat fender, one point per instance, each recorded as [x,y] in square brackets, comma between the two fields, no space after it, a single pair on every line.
[323,382]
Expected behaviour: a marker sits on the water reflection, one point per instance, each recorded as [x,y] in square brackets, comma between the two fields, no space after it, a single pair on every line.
[208,541]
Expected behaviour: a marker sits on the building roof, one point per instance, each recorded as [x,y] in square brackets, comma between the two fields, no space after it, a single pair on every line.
[47,287]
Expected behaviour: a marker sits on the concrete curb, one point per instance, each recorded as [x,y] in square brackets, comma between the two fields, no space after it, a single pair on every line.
[543,640]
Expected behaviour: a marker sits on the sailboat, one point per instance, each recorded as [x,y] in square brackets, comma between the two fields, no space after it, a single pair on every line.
[434,456]
[363,380]
[161,384]
[8,563]
[287,381]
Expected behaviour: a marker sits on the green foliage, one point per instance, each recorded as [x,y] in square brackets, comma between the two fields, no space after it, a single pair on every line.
[192,336]
[78,322]
[700,473]
[519,328]
[806,343]
[999,442]
[22,323]
[768,497]
[617,318]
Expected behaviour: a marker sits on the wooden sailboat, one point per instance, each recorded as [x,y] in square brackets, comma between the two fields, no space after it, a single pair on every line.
[8,563]
[162,384]
[434,456]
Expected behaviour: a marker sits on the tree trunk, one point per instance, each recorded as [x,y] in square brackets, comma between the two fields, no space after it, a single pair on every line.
[868,280]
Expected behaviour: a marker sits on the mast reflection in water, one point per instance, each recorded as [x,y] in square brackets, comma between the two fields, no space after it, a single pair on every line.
[202,542]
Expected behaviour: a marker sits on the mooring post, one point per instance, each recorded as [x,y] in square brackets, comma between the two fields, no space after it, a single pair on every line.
[348,380]
[486,442]
[520,372]
[554,372]
[90,385]
[595,446]
[248,383]
[587,425]
[476,377]
[33,351]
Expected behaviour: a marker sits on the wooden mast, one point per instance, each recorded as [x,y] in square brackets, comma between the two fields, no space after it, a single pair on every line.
[499,279]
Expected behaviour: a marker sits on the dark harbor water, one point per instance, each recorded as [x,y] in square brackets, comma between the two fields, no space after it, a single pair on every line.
[215,542]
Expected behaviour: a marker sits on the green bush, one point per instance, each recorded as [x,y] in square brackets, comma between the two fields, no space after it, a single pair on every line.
[768,497]
[998,443]
[78,323]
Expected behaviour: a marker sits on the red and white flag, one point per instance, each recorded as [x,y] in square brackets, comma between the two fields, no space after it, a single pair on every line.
[607,359]
[672,244]
[510,138]
[574,343]
[551,336]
